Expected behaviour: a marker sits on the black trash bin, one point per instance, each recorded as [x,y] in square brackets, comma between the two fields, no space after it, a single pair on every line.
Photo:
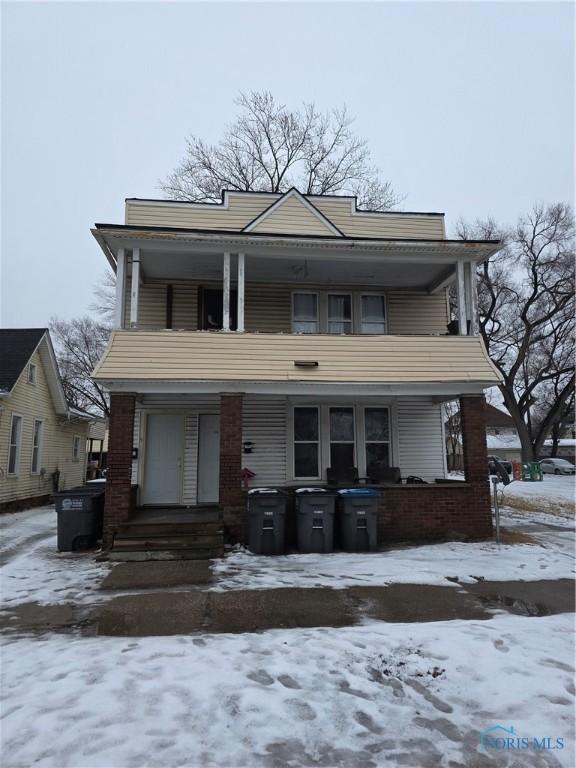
[358,519]
[315,516]
[80,514]
[267,521]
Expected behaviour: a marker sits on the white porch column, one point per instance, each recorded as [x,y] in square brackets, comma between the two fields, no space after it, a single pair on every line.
[241,264]
[461,298]
[120,288]
[135,287]
[475,321]
[226,294]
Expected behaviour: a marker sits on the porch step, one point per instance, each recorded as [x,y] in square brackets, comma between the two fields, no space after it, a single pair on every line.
[137,529]
[163,554]
[188,541]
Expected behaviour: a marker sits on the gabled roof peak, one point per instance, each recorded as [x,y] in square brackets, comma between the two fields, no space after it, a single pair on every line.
[309,208]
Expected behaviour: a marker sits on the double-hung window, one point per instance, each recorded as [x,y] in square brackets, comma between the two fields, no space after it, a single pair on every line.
[339,313]
[305,315]
[76,447]
[307,443]
[37,446]
[377,436]
[342,440]
[372,313]
[15,445]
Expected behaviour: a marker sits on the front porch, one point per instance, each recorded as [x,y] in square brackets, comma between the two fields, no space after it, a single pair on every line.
[192,459]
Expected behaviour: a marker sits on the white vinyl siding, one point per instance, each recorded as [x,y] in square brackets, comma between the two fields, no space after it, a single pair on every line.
[420,438]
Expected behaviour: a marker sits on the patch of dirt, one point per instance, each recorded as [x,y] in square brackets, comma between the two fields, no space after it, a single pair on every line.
[510,536]
[557,507]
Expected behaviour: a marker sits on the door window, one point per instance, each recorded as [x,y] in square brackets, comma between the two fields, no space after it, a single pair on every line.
[377,431]
[342,438]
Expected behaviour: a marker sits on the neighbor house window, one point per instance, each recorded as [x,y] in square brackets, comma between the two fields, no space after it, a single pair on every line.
[305,313]
[377,436]
[306,443]
[32,370]
[76,447]
[37,445]
[15,445]
[372,314]
[339,313]
[342,438]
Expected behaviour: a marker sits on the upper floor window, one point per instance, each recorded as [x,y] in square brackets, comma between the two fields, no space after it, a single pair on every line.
[32,373]
[372,314]
[15,445]
[76,447]
[305,316]
[339,313]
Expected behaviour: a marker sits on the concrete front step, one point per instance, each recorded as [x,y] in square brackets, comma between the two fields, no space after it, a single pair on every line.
[193,541]
[136,530]
[164,554]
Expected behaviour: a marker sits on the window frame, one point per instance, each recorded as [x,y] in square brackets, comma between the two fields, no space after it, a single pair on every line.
[293,442]
[76,454]
[38,447]
[349,406]
[359,296]
[293,320]
[365,441]
[327,313]
[32,373]
[17,445]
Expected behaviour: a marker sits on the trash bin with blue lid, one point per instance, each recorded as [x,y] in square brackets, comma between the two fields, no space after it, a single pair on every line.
[267,521]
[315,516]
[80,513]
[358,519]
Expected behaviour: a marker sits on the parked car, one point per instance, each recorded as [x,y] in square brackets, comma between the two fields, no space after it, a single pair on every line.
[505,463]
[557,467]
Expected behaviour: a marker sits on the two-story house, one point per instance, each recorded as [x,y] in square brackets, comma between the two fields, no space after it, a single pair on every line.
[282,339]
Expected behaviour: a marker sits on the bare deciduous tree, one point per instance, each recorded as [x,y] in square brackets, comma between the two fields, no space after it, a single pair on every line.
[79,344]
[105,297]
[526,303]
[270,148]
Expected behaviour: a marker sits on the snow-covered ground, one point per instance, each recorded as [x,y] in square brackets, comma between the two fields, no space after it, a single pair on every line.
[34,570]
[554,494]
[380,694]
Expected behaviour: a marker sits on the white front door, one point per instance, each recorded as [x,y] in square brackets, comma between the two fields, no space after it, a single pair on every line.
[208,457]
[164,454]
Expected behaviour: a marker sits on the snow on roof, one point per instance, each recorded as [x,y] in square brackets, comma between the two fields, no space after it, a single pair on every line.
[502,442]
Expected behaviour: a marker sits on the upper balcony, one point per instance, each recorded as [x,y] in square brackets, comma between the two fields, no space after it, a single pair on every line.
[288,269]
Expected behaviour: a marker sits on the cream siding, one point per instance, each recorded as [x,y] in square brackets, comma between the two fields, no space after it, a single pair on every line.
[290,218]
[420,438]
[268,307]
[417,443]
[164,355]
[242,209]
[34,401]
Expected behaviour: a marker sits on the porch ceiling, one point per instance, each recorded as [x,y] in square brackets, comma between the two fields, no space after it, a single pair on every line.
[187,254]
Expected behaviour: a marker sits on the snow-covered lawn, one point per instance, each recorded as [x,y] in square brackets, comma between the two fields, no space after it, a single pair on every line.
[34,570]
[380,694]
[553,495]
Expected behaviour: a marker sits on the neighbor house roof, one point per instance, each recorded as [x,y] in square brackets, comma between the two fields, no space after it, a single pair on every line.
[17,345]
[274,357]
[503,442]
[16,348]
[497,418]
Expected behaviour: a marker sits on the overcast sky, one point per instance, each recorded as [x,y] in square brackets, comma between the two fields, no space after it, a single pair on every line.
[467,107]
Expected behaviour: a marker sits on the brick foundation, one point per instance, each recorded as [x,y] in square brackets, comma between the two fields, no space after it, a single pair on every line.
[232,498]
[119,497]
[31,501]
[437,512]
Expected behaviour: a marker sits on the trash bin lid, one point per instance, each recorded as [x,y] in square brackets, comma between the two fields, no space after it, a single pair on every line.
[256,491]
[357,492]
[311,490]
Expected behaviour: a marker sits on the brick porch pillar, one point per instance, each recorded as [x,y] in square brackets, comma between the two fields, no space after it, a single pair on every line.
[473,426]
[231,497]
[119,475]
